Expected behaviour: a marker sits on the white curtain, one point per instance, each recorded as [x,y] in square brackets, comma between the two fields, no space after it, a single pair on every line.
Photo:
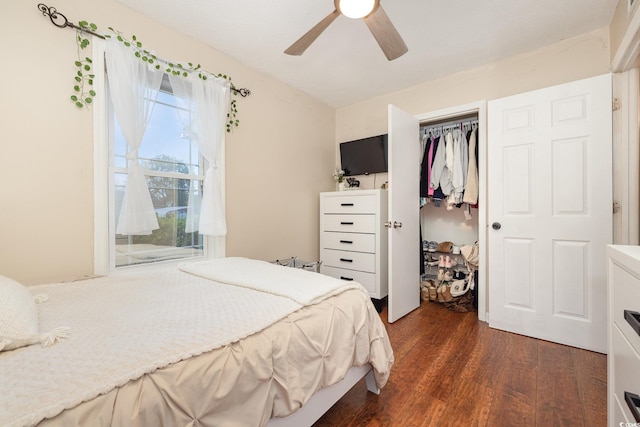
[206,103]
[134,87]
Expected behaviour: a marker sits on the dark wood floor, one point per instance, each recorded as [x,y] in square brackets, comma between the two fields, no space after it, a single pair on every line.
[452,370]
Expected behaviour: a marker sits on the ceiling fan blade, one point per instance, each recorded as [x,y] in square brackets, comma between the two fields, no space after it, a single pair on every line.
[305,41]
[386,34]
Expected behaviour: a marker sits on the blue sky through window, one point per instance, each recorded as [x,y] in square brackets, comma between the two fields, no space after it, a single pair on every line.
[164,136]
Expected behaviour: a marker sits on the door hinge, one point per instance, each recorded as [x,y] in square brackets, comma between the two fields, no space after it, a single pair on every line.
[616,104]
[616,207]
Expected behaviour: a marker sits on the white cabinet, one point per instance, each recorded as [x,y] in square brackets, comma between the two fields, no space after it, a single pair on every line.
[353,238]
[624,335]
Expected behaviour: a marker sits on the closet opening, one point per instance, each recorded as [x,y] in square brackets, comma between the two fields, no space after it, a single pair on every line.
[449,211]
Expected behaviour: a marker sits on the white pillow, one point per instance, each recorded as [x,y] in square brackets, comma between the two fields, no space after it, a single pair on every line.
[19,317]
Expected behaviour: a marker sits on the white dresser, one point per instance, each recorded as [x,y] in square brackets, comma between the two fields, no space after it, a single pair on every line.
[623,377]
[353,238]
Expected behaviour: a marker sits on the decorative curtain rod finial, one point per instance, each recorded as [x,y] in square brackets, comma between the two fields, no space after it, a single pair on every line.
[243,92]
[61,21]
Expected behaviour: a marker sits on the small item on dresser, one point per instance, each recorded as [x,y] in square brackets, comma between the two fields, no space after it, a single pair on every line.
[353,183]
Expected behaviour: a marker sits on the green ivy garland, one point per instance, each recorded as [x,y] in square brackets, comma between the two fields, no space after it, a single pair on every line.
[83,93]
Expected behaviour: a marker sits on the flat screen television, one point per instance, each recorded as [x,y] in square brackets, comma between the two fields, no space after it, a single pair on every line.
[364,156]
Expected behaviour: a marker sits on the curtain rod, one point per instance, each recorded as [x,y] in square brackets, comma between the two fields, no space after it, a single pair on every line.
[61,21]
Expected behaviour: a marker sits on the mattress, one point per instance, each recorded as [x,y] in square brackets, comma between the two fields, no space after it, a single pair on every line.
[250,375]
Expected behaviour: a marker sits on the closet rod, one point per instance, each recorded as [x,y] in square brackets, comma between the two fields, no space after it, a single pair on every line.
[445,126]
[450,122]
[61,21]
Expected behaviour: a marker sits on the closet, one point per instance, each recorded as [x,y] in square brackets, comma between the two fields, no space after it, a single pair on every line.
[404,211]
[449,202]
[541,233]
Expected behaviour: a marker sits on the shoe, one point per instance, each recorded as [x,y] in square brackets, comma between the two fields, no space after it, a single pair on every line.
[447,276]
[441,262]
[444,247]
[459,275]
[441,275]
[433,293]
[446,294]
[424,294]
[447,261]
[431,261]
[431,246]
[459,288]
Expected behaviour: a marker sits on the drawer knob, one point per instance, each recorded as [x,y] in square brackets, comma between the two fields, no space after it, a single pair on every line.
[346,260]
[346,223]
[346,204]
[633,319]
[349,242]
[633,401]
[348,279]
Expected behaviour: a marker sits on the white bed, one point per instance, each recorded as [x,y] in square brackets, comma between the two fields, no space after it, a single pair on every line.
[181,348]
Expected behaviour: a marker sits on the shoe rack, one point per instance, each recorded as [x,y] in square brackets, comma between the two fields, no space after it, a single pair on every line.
[445,277]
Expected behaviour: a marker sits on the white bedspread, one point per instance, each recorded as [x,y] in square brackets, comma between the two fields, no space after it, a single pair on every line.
[302,286]
[122,328]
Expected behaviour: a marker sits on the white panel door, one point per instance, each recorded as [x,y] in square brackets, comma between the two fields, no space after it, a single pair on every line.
[550,212]
[404,213]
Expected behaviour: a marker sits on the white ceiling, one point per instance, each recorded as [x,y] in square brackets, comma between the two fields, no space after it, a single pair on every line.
[345,65]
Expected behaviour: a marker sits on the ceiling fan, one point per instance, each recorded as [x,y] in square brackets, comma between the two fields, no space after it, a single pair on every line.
[374,16]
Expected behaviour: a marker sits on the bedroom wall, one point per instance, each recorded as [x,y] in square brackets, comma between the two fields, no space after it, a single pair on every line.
[278,160]
[572,59]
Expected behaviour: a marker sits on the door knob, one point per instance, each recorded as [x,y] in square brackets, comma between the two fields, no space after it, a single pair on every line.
[496,226]
[397,224]
[387,224]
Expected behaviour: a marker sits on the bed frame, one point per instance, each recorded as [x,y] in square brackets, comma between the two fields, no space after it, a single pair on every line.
[325,398]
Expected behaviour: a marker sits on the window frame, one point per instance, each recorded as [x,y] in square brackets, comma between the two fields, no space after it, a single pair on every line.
[104,221]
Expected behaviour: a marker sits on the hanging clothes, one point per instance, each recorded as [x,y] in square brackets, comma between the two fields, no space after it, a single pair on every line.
[440,172]
[471,189]
[460,161]
[425,167]
[435,191]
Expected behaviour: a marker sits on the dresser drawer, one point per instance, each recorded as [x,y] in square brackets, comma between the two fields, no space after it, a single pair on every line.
[350,223]
[349,260]
[626,362]
[357,242]
[350,203]
[367,280]
[626,296]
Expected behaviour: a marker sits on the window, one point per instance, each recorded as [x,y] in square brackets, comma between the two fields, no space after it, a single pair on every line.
[172,165]
[175,172]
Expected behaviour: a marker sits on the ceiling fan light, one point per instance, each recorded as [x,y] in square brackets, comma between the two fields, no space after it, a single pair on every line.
[356,9]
